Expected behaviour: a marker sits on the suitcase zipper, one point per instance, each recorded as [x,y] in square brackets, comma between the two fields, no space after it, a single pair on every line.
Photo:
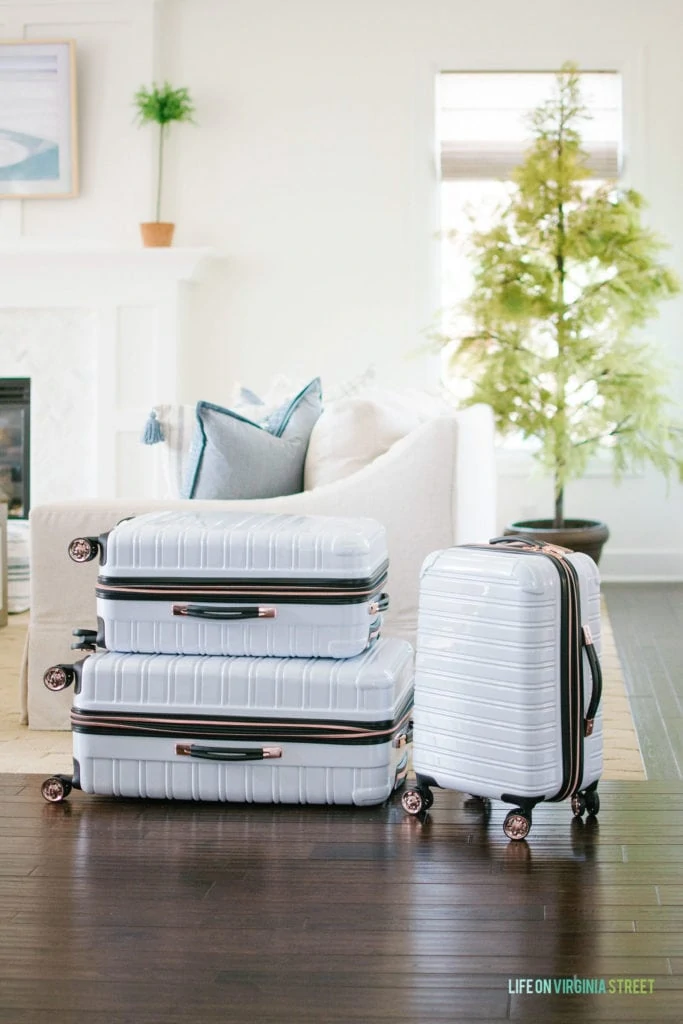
[257,591]
[193,591]
[574,689]
[187,727]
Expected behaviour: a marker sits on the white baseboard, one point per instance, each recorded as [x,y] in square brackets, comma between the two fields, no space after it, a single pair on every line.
[628,566]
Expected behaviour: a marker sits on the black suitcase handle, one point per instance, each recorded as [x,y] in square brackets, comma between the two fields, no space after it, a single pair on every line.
[527,542]
[88,640]
[228,753]
[596,674]
[198,611]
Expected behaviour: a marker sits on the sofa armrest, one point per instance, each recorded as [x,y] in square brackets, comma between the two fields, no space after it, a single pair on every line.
[474,482]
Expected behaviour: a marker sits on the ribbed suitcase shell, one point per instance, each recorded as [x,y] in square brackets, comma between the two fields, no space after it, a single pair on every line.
[313,552]
[374,687]
[487,718]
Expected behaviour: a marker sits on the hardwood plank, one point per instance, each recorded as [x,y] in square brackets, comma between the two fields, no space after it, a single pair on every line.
[647,621]
[281,993]
[659,1006]
[670,895]
[305,941]
[179,1015]
[658,754]
[161,913]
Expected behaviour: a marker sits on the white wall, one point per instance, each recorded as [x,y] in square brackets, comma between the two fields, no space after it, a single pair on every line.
[313,170]
[115,51]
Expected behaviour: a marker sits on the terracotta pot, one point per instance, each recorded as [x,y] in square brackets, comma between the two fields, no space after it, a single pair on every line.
[586,535]
[156,233]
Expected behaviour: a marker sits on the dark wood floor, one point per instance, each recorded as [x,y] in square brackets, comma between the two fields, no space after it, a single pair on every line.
[124,911]
[647,620]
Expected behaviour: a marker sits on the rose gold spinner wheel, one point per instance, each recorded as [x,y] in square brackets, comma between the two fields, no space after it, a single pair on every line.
[58,677]
[83,549]
[55,789]
[517,825]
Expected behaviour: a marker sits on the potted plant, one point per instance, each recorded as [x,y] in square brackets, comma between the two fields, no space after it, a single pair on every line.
[563,279]
[161,106]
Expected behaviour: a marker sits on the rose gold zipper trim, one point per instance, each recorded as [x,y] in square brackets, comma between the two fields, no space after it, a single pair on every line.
[335,731]
[573,671]
[228,592]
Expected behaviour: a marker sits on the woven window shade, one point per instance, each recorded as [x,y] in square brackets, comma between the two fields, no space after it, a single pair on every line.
[477,160]
[483,124]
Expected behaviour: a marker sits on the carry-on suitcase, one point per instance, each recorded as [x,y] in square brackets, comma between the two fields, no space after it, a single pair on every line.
[507,678]
[238,583]
[273,730]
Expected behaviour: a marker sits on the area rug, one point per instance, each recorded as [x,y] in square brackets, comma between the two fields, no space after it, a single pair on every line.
[26,750]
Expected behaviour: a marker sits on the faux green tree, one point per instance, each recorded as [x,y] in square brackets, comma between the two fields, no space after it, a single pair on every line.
[162,105]
[563,279]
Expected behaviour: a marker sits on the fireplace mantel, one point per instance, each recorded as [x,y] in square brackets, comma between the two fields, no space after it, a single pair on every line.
[106,325]
[61,275]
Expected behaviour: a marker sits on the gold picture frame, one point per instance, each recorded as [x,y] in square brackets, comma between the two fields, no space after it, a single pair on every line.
[38,119]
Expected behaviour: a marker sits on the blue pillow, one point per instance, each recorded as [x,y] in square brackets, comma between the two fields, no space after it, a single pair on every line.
[233,457]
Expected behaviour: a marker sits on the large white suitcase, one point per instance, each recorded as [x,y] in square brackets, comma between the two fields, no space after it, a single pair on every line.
[238,583]
[507,678]
[272,730]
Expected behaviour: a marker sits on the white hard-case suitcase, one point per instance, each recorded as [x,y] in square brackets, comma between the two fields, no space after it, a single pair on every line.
[507,678]
[269,730]
[238,583]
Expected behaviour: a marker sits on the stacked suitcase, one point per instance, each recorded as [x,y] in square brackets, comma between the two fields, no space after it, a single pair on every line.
[238,658]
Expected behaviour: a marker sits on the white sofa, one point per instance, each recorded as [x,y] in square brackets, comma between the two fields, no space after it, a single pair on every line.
[431,489]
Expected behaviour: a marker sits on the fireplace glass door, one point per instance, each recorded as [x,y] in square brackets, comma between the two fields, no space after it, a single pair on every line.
[14,447]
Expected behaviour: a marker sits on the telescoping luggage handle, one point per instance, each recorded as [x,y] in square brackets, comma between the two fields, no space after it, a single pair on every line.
[228,753]
[529,542]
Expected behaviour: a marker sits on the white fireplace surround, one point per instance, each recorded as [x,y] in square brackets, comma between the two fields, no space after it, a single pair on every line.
[100,333]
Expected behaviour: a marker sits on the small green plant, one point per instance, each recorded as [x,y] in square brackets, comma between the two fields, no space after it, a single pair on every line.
[562,280]
[162,105]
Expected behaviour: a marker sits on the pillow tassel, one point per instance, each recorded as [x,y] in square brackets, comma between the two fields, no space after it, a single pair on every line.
[153,433]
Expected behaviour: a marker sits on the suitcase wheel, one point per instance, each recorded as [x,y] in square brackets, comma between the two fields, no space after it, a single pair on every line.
[59,677]
[585,802]
[84,549]
[517,824]
[592,802]
[416,800]
[55,789]
[578,804]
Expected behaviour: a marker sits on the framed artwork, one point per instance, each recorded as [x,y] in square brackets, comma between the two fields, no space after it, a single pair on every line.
[38,141]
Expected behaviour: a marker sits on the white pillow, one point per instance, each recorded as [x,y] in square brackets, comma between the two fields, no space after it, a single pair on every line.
[352,432]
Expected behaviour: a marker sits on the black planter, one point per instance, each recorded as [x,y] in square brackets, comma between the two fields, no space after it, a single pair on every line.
[586,535]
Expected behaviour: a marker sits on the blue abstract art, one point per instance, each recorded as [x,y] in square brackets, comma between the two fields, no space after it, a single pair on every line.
[37,119]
